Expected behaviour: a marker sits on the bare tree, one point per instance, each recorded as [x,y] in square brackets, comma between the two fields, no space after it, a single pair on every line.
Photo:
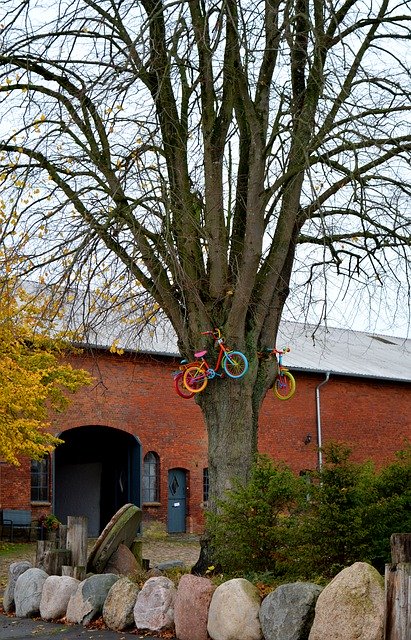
[200,152]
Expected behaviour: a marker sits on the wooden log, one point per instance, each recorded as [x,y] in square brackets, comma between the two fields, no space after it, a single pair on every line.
[67,570]
[137,550]
[79,572]
[77,539]
[51,560]
[62,536]
[400,548]
[397,621]
[43,547]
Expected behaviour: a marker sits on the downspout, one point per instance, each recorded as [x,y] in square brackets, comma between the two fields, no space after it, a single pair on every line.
[319,430]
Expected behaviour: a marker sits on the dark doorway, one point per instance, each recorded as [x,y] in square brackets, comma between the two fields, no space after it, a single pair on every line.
[97,471]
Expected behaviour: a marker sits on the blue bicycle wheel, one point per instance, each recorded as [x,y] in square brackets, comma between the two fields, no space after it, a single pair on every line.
[235,364]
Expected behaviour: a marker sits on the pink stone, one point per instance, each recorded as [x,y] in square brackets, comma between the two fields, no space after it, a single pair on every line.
[122,562]
[191,607]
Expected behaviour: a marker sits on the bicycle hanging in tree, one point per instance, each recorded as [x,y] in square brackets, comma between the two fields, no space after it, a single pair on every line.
[234,363]
[179,385]
[284,383]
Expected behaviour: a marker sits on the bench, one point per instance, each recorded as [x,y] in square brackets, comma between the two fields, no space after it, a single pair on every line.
[15,520]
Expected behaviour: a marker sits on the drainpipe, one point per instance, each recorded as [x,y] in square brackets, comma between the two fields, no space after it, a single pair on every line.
[318,408]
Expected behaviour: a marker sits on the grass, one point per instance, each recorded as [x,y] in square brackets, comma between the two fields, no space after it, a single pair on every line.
[14,552]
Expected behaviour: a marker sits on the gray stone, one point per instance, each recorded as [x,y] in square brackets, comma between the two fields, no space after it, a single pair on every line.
[118,609]
[351,606]
[191,607]
[88,600]
[57,591]
[169,564]
[122,562]
[154,608]
[15,570]
[233,613]
[288,612]
[27,592]
[153,573]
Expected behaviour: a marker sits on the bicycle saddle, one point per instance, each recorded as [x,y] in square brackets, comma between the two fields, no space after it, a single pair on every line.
[200,354]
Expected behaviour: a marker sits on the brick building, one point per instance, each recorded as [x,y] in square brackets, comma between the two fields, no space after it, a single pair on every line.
[130,438]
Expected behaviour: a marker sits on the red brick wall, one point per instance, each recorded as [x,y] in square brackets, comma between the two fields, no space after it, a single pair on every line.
[372,416]
[135,393]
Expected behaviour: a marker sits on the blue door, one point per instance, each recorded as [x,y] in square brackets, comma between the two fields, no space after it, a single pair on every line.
[176,501]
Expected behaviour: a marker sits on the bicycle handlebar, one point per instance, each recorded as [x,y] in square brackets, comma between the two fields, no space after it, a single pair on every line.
[280,352]
[216,333]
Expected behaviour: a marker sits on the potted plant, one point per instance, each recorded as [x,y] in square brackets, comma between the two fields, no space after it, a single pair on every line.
[49,524]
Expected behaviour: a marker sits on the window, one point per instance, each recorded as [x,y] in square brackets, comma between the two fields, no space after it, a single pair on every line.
[205,485]
[151,469]
[40,474]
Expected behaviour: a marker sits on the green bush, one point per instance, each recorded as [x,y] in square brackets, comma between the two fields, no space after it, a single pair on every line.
[391,511]
[278,525]
[251,531]
[333,532]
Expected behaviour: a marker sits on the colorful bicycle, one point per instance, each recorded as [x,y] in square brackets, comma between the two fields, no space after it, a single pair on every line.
[179,386]
[284,383]
[197,375]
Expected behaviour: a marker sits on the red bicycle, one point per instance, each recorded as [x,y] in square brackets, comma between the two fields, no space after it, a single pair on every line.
[179,386]
[197,374]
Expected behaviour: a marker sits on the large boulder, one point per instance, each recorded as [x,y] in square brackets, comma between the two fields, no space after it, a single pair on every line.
[154,608]
[287,613]
[234,610]
[191,607]
[27,592]
[87,602]
[57,591]
[351,607]
[118,608]
[122,562]
[15,570]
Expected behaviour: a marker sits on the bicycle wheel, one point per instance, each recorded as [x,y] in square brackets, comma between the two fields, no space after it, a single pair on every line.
[235,364]
[195,379]
[284,385]
[180,388]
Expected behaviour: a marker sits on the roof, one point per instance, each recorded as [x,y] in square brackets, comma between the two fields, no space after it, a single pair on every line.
[345,352]
[312,348]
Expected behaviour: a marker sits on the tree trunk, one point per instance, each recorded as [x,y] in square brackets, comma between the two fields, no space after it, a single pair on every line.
[229,411]
[227,405]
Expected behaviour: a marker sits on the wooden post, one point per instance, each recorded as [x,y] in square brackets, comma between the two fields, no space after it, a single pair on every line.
[62,536]
[79,572]
[77,539]
[137,551]
[51,559]
[397,623]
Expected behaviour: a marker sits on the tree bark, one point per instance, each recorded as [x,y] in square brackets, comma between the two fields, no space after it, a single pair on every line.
[229,410]
[397,623]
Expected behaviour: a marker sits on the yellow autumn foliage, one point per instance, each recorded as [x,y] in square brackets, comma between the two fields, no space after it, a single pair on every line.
[33,378]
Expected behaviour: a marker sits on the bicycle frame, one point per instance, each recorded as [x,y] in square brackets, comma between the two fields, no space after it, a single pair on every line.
[284,382]
[202,363]
[234,363]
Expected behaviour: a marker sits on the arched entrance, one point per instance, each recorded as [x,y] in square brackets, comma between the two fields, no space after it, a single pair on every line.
[96,471]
